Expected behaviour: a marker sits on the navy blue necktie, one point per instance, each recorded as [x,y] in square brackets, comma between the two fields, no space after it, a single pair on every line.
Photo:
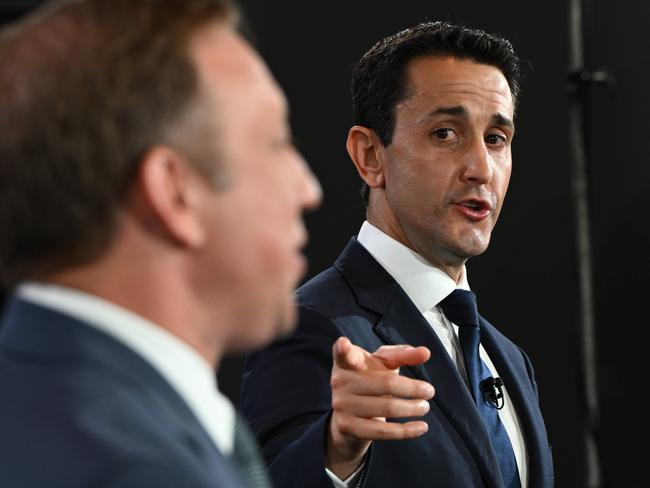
[460,308]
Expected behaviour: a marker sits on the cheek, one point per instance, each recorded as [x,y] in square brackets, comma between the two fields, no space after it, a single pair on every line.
[502,180]
[268,238]
[257,274]
[504,170]
[263,214]
[245,230]
[410,179]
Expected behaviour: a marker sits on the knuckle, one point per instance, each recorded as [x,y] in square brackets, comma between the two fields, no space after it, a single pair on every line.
[336,380]
[384,432]
[392,409]
[391,382]
[338,404]
[344,426]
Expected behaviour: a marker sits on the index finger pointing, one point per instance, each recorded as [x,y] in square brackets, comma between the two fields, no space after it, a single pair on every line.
[395,356]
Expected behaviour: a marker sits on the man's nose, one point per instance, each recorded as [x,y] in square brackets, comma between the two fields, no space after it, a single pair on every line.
[479,163]
[311,193]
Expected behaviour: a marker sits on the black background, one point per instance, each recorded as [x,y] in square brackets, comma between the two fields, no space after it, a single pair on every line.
[526,281]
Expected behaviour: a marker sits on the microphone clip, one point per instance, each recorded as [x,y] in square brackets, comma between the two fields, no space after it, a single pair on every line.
[492,389]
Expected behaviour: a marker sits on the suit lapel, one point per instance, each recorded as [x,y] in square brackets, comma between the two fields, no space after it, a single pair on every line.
[401,323]
[522,395]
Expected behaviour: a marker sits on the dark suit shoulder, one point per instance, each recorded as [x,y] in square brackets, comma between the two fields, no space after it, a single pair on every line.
[84,410]
[327,292]
[74,425]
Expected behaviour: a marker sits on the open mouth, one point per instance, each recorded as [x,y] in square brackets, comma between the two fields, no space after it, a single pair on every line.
[474,208]
[476,205]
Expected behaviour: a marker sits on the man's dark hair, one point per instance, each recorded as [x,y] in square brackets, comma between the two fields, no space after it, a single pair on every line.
[87,87]
[379,79]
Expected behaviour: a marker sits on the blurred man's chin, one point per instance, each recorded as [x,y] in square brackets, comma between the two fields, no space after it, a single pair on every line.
[281,325]
[287,320]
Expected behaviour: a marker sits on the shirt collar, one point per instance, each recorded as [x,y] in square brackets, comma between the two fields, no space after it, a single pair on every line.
[191,376]
[424,284]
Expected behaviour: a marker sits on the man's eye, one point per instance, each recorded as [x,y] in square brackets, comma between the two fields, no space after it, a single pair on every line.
[495,139]
[443,134]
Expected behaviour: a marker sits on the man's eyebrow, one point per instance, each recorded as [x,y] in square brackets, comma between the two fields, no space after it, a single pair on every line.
[457,111]
[500,119]
[460,111]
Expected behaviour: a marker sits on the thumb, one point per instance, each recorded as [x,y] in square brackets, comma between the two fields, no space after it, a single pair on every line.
[348,356]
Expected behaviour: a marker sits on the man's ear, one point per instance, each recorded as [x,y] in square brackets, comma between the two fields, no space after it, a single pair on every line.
[169,195]
[364,149]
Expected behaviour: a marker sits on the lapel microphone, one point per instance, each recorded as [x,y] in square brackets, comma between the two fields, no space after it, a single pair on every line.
[492,389]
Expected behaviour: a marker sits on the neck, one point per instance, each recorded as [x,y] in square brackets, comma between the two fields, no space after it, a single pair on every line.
[450,264]
[150,291]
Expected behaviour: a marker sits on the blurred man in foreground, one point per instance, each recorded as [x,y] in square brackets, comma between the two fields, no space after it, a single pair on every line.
[434,123]
[151,222]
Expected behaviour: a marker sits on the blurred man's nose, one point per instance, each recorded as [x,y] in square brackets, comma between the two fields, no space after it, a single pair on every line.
[311,192]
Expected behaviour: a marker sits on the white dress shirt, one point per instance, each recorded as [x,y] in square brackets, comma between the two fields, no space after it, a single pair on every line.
[188,373]
[427,286]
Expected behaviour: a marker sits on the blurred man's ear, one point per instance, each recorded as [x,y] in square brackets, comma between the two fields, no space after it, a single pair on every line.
[170,193]
[364,149]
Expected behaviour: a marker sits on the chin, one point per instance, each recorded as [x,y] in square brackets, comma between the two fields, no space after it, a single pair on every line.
[287,320]
[473,251]
[258,330]
[473,245]
[283,324]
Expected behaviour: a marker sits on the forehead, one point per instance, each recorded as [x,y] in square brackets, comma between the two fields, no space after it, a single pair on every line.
[453,81]
[234,75]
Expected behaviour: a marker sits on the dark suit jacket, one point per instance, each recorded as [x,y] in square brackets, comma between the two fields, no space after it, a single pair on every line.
[286,392]
[80,409]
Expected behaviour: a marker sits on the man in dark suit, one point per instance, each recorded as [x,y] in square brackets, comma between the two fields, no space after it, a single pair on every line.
[434,108]
[151,223]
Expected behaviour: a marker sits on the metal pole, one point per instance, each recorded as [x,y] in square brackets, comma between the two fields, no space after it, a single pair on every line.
[580,79]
